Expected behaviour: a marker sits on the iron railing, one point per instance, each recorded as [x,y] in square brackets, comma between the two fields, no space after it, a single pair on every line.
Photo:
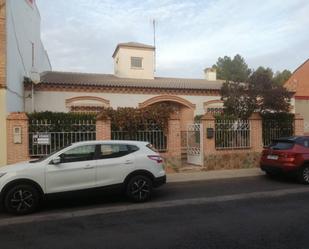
[232,134]
[46,137]
[273,129]
[156,137]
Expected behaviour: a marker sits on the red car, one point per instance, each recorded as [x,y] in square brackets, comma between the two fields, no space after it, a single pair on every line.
[287,155]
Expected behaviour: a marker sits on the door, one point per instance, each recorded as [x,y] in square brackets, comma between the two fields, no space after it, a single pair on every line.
[195,152]
[76,170]
[115,162]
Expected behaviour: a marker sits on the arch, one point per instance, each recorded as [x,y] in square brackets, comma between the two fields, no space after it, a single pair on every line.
[213,106]
[78,101]
[217,101]
[170,98]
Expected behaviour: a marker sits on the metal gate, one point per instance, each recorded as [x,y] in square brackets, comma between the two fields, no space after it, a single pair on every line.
[46,137]
[195,152]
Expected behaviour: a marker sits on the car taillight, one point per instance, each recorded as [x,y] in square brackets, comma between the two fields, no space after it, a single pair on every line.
[289,157]
[158,159]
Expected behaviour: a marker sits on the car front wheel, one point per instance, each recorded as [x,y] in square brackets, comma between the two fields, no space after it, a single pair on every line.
[304,175]
[22,199]
[139,188]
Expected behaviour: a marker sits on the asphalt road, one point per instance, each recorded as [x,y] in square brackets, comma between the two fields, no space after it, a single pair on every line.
[173,191]
[277,222]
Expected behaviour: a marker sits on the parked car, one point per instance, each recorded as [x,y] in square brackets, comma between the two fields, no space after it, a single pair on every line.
[134,167]
[289,155]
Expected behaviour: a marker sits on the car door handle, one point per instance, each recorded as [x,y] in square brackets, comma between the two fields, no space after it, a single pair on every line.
[129,162]
[89,167]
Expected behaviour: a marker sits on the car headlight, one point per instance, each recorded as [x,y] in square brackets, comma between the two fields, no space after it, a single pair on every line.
[2,174]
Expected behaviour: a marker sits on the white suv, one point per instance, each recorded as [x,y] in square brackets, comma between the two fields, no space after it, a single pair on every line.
[133,166]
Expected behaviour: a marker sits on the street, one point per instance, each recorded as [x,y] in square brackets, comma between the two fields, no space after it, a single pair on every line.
[252,221]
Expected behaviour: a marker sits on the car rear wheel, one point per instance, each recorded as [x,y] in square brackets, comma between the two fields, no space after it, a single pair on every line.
[22,199]
[139,188]
[304,175]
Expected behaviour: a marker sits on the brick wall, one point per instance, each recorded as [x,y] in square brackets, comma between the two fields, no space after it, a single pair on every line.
[103,129]
[299,126]
[17,152]
[2,44]
[174,139]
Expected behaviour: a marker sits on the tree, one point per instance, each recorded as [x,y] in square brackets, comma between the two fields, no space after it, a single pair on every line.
[237,100]
[281,77]
[234,69]
[259,93]
[270,96]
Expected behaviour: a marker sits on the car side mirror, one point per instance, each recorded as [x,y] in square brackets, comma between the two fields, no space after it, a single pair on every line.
[56,161]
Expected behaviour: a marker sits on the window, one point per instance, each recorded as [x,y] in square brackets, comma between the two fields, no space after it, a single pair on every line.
[115,150]
[78,154]
[136,62]
[215,110]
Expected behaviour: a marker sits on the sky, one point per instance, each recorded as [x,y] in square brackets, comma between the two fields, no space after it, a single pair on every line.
[81,35]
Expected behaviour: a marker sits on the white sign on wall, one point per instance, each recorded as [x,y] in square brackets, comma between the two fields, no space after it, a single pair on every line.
[41,138]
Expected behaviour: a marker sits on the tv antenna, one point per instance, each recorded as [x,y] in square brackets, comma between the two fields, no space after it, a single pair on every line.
[154,42]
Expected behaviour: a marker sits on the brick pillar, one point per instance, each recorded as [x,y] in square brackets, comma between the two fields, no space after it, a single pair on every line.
[256,133]
[209,146]
[174,139]
[103,129]
[17,138]
[299,127]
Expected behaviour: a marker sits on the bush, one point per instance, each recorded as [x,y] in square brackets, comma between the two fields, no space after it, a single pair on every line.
[59,121]
[135,119]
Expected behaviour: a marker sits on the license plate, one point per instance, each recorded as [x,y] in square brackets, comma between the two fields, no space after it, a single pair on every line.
[272,157]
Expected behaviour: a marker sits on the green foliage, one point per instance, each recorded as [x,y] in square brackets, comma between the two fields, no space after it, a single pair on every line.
[135,119]
[237,100]
[234,69]
[281,77]
[198,118]
[270,97]
[259,93]
[281,117]
[56,117]
[59,121]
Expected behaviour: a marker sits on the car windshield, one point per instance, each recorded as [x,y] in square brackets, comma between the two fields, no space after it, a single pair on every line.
[45,157]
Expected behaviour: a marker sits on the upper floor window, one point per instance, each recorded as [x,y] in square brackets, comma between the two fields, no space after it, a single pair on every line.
[136,62]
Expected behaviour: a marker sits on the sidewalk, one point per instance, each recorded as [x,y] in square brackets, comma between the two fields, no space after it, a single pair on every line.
[212,175]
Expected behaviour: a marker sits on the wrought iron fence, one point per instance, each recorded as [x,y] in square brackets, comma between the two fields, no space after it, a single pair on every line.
[273,129]
[46,137]
[153,135]
[232,134]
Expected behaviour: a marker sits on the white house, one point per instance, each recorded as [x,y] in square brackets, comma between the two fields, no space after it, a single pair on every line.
[133,84]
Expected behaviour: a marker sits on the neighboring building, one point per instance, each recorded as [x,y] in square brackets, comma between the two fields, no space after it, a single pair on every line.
[299,84]
[132,85]
[22,54]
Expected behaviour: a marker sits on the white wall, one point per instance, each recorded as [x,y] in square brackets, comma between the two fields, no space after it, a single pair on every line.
[23,29]
[55,101]
[122,63]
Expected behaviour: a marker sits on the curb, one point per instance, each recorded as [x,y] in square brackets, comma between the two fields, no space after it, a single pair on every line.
[213,175]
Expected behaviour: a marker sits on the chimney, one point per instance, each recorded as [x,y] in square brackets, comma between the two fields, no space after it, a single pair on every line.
[210,74]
